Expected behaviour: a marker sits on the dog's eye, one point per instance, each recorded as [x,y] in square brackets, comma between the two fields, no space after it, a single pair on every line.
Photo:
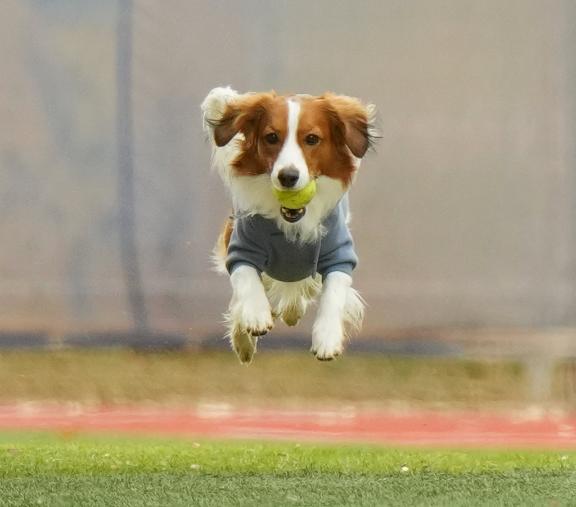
[272,138]
[312,139]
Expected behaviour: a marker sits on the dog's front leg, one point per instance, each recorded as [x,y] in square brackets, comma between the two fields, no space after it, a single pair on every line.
[250,314]
[340,308]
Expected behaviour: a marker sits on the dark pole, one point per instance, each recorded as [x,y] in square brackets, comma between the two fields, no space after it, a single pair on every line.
[126,193]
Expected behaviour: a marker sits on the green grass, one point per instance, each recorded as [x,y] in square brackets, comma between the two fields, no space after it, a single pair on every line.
[69,470]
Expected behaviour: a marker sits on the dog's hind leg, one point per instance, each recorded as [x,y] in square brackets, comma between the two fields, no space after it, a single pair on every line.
[244,344]
[290,300]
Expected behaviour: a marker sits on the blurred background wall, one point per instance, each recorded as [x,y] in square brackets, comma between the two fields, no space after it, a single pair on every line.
[464,216]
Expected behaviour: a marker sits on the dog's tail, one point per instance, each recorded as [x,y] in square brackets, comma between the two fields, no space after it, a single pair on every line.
[220,250]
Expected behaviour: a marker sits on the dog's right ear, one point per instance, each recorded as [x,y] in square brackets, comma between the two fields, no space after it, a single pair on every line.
[238,113]
[227,127]
[214,106]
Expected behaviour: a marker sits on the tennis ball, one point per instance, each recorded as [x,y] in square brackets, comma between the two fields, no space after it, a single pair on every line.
[296,199]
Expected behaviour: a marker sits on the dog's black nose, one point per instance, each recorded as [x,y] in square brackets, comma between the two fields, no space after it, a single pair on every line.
[288,177]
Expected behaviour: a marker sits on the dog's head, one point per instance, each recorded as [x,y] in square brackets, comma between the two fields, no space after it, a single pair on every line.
[290,140]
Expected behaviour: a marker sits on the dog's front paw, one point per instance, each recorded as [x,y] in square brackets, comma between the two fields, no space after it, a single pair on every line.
[253,316]
[327,340]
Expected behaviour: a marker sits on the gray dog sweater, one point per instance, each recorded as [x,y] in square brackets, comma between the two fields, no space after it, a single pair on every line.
[258,242]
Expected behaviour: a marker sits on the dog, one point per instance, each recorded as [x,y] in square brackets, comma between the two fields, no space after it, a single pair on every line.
[280,259]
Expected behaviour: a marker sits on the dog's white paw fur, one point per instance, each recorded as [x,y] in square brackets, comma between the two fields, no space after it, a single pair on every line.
[341,310]
[291,316]
[289,300]
[327,339]
[256,300]
[251,315]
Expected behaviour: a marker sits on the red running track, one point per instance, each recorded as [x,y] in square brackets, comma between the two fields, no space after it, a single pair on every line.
[346,425]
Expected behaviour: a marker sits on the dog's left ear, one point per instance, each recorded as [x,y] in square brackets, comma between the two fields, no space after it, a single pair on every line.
[352,122]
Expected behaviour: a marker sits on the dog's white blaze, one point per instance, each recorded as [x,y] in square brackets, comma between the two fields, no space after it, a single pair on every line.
[291,154]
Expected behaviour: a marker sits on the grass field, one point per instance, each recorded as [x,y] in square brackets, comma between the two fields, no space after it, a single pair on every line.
[43,469]
[69,469]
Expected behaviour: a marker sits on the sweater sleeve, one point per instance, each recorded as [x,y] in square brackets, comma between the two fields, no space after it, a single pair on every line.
[245,247]
[337,248]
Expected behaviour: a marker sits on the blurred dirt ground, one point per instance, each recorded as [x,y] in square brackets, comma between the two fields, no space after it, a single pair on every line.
[120,376]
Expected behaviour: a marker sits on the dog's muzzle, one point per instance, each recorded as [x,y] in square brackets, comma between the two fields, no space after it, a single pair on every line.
[292,215]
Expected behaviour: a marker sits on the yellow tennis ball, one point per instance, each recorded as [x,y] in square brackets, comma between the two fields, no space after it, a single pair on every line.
[296,199]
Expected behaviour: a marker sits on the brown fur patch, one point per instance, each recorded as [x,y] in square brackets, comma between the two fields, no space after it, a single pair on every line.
[255,116]
[341,123]
[355,120]
[221,247]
